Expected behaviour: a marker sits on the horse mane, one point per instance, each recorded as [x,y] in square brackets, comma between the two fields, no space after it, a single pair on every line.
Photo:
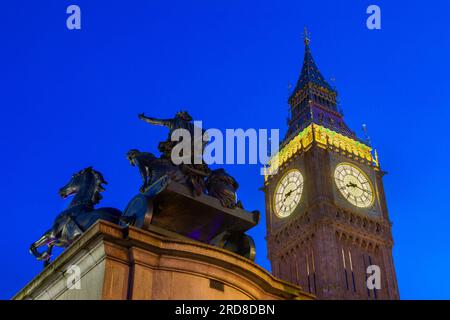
[99,181]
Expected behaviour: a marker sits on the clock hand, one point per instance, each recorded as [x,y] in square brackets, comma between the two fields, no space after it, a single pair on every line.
[289,193]
[364,190]
[346,186]
[354,185]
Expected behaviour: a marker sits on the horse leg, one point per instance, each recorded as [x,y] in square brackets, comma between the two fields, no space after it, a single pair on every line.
[48,254]
[46,239]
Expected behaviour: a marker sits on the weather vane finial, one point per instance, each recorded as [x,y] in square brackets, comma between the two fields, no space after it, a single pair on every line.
[306,35]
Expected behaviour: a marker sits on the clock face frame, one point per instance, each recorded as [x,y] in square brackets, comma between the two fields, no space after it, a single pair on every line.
[354,185]
[288,193]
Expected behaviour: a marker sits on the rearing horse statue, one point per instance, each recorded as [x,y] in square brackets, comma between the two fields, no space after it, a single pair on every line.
[87,186]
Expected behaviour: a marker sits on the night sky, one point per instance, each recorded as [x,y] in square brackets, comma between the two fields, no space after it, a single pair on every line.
[70,99]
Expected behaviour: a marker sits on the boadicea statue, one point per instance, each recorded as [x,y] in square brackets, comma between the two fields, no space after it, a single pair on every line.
[186,200]
[201,179]
[189,198]
[195,173]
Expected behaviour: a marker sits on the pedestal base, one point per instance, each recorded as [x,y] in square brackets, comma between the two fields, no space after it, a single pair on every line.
[130,263]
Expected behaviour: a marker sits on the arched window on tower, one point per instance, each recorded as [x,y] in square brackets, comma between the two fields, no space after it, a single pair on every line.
[365,274]
[314,271]
[307,273]
[311,272]
[374,290]
[296,271]
[345,269]
[351,270]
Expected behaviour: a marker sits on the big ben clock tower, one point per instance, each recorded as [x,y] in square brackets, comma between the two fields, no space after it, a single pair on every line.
[327,219]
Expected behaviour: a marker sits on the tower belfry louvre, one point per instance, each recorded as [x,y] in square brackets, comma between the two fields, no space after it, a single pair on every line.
[326,212]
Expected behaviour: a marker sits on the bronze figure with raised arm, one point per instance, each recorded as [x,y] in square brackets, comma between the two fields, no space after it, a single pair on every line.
[195,168]
[182,120]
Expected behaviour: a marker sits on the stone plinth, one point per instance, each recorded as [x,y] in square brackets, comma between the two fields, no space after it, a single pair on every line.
[130,263]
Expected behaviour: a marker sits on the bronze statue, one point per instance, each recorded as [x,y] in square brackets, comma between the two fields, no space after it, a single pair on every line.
[222,186]
[237,242]
[195,172]
[182,120]
[87,186]
[174,197]
[152,168]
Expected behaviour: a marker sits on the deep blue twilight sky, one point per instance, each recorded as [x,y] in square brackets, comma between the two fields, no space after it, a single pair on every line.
[69,99]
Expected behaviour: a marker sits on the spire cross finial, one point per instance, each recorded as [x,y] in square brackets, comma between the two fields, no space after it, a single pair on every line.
[306,35]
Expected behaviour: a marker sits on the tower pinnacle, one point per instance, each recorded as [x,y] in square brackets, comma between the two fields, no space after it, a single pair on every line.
[313,99]
[306,38]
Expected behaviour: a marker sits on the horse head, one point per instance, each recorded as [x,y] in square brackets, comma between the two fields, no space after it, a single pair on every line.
[184,115]
[134,154]
[86,184]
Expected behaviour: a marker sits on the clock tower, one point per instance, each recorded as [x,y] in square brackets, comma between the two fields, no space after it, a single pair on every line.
[327,218]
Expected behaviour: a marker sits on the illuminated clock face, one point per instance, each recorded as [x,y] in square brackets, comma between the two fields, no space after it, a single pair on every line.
[354,185]
[288,193]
